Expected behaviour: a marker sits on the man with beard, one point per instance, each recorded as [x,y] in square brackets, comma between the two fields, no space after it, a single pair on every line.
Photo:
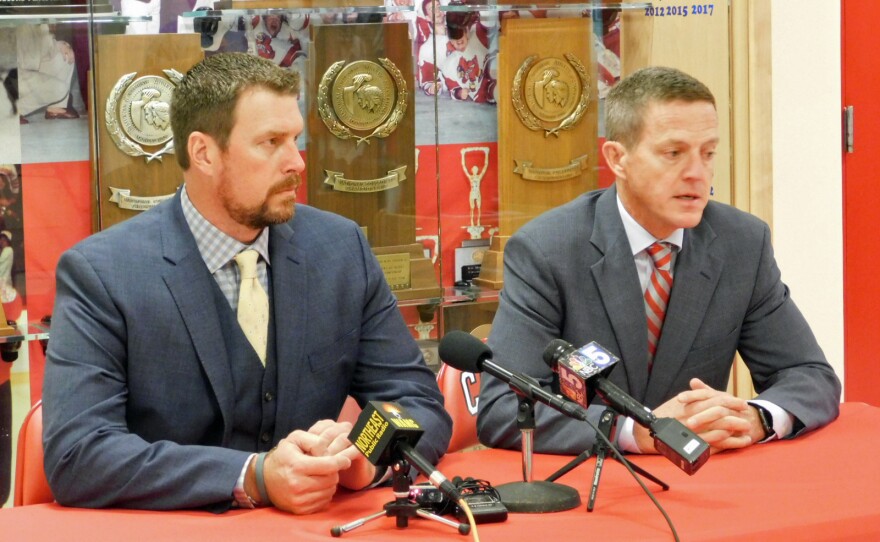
[158,394]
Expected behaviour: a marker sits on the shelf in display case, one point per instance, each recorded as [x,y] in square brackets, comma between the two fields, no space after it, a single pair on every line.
[416,302]
[594,5]
[36,331]
[69,18]
[270,8]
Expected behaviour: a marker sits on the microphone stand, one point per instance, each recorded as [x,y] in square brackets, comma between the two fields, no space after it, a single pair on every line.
[534,496]
[607,423]
[402,507]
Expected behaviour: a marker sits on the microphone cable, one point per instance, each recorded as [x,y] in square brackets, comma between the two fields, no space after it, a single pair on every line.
[470,517]
[620,457]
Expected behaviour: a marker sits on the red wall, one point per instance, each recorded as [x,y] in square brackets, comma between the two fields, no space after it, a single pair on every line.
[57,213]
[861,202]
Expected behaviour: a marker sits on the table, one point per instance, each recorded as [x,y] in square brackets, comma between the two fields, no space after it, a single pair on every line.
[822,486]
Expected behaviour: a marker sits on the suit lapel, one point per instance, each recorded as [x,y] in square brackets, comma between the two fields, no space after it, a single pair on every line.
[617,283]
[697,271]
[192,288]
[289,302]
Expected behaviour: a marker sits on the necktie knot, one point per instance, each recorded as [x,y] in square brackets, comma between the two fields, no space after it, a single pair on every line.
[247,263]
[661,253]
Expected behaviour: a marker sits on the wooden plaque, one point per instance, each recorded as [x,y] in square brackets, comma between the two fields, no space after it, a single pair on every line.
[492,268]
[547,117]
[419,280]
[134,76]
[361,150]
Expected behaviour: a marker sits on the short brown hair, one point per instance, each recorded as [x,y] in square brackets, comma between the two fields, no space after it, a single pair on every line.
[627,101]
[205,100]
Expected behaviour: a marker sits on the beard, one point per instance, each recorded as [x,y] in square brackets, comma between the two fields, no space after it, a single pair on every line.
[261,215]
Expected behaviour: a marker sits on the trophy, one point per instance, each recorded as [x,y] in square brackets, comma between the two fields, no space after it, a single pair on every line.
[469,256]
[362,153]
[549,115]
[136,168]
[475,197]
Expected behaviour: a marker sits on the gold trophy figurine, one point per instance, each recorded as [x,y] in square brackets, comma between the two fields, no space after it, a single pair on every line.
[475,197]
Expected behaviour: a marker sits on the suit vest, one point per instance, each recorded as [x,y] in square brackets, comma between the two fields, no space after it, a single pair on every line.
[253,420]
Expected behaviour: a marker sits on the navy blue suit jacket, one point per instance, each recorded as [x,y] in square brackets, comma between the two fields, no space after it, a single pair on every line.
[138,392]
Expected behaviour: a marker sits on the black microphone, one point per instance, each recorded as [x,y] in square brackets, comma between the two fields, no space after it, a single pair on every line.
[585,368]
[385,433]
[468,353]
[582,374]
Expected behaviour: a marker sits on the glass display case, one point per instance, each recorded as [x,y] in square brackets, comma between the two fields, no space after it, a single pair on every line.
[462,87]
[489,114]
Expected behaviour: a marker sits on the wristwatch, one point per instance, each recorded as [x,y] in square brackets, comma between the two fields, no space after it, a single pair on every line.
[766,420]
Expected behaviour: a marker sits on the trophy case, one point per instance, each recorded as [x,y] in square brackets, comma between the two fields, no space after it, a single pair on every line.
[439,126]
[481,116]
[488,114]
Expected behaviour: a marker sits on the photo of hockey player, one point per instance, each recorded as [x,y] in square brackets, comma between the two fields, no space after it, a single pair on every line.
[464,74]
[282,39]
[51,110]
[464,64]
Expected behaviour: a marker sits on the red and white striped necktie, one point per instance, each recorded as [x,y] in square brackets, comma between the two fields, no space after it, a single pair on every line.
[657,294]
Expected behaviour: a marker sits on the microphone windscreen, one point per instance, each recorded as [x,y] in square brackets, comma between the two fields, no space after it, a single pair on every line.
[554,351]
[380,427]
[464,351]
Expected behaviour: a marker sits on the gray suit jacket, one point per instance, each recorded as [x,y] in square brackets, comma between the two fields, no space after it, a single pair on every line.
[570,274]
[138,392]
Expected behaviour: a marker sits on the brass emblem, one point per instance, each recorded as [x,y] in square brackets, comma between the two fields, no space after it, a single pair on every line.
[137,112]
[390,180]
[551,91]
[571,170]
[123,198]
[362,96]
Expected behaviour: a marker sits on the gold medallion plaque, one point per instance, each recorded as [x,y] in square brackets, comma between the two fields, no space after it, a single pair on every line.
[362,96]
[548,113]
[138,112]
[136,168]
[551,94]
[361,156]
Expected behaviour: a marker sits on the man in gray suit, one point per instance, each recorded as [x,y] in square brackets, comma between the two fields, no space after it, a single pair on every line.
[154,397]
[580,272]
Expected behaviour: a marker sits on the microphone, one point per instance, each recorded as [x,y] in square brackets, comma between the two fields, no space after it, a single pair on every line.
[582,374]
[385,433]
[583,370]
[467,353]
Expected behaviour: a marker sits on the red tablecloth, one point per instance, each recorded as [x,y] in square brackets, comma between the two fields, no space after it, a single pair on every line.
[823,486]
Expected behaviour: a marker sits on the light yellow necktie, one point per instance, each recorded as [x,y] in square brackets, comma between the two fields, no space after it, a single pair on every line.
[253,303]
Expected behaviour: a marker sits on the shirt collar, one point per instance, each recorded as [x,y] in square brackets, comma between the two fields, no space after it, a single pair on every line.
[639,238]
[216,247]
